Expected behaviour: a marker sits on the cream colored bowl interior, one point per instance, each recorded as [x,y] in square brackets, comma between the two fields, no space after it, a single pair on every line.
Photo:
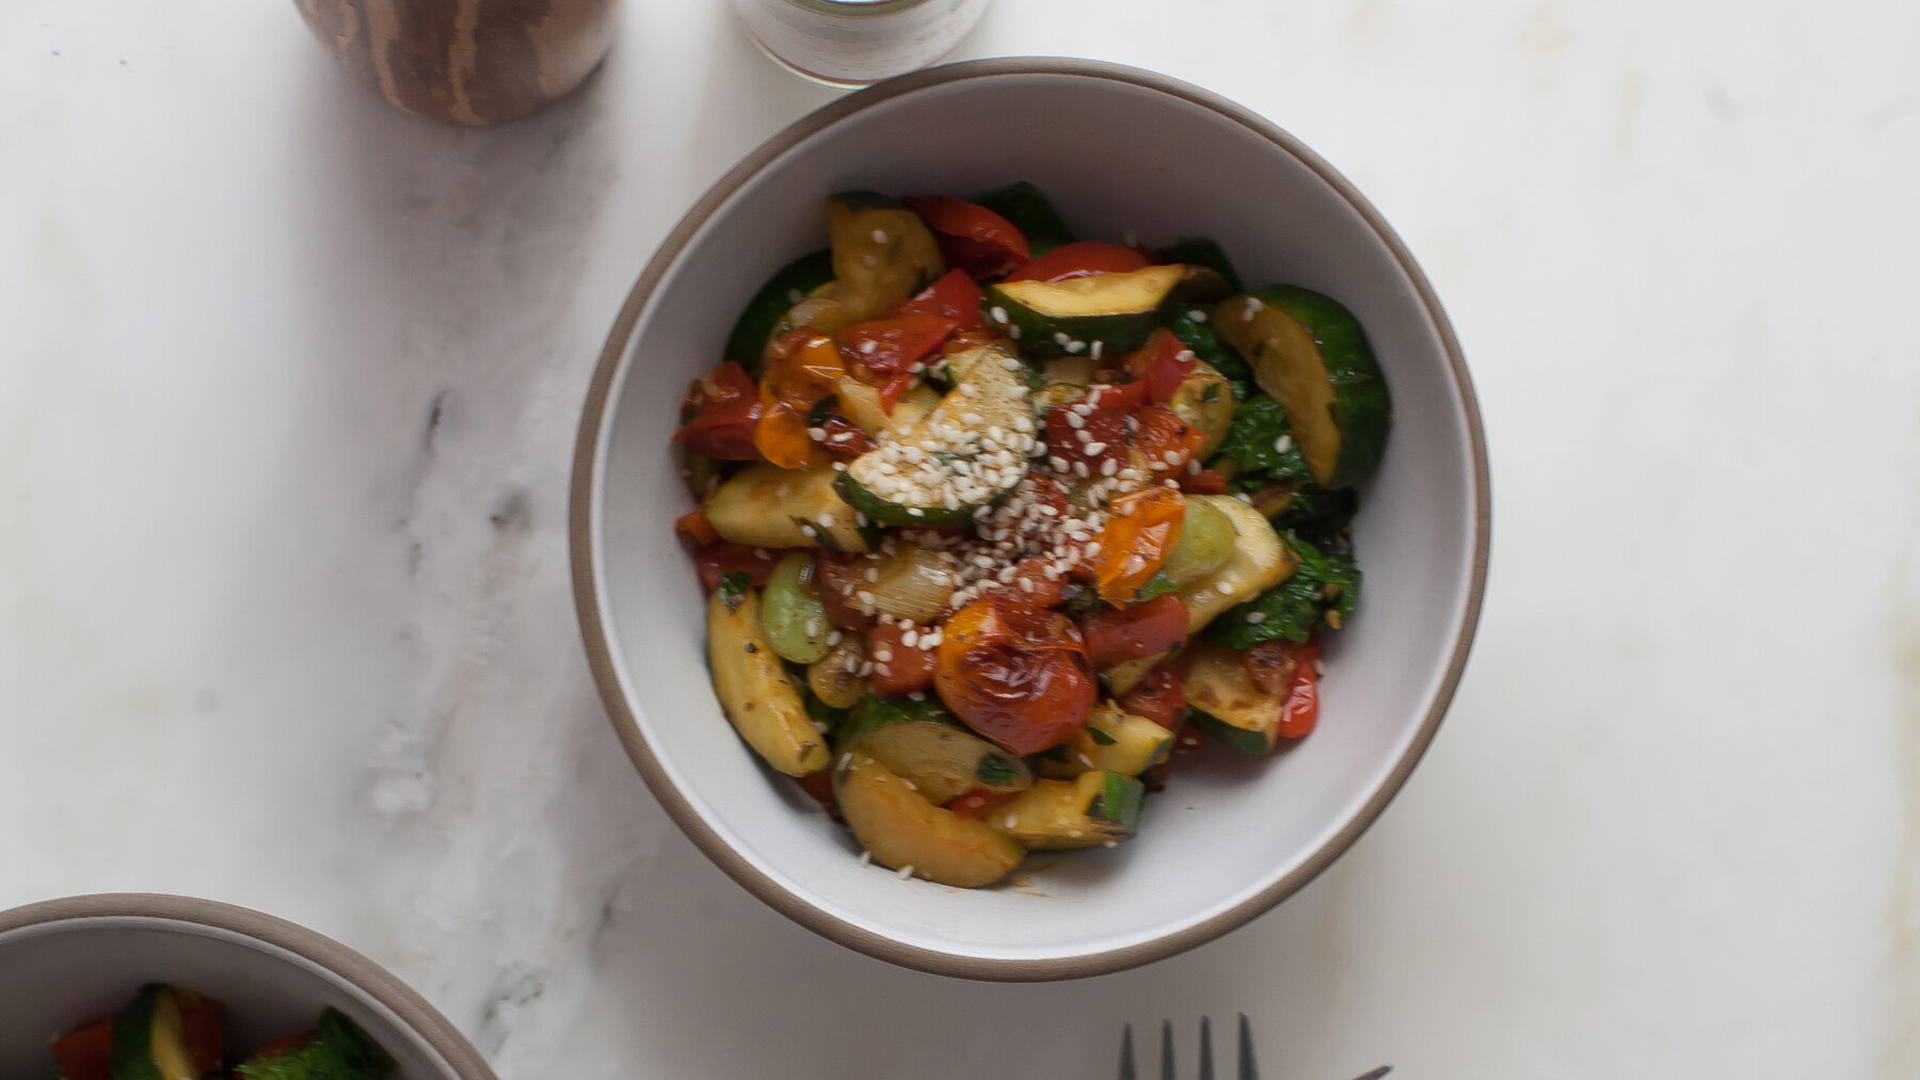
[1119,159]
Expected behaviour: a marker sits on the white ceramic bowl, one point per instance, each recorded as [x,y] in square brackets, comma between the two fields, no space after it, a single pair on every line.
[1119,151]
[66,962]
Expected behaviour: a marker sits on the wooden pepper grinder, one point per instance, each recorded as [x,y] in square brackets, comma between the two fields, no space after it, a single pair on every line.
[465,61]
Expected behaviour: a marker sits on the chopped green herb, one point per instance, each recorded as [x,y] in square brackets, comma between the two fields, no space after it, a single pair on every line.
[821,410]
[994,770]
[1100,737]
[1199,336]
[1158,585]
[733,588]
[1323,583]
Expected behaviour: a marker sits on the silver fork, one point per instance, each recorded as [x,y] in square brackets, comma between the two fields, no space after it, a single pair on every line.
[1247,1069]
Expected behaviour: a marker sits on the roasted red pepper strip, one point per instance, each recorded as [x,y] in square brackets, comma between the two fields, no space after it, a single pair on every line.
[1117,635]
[971,237]
[86,1052]
[721,411]
[1125,397]
[898,668]
[1083,258]
[1302,709]
[890,352]
[1160,366]
[954,296]
[1106,439]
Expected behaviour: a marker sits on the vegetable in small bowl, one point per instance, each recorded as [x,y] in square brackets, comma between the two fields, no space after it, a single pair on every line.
[148,987]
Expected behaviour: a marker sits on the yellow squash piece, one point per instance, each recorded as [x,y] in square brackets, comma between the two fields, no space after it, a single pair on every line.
[759,700]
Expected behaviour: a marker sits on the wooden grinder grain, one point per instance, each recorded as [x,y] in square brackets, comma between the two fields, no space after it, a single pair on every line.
[470,62]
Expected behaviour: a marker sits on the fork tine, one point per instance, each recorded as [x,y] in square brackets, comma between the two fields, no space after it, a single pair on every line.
[1166,1051]
[1126,1054]
[1248,1070]
[1206,1049]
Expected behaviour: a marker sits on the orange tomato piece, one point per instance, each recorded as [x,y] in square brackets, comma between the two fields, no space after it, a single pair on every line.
[1136,541]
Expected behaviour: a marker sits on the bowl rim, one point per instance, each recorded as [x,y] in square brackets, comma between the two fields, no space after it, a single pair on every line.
[582,542]
[363,974]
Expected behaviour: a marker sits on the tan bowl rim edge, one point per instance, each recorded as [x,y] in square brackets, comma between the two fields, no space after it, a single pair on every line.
[365,975]
[600,657]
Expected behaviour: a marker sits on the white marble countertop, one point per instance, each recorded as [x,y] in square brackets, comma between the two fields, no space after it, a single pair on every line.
[288,385]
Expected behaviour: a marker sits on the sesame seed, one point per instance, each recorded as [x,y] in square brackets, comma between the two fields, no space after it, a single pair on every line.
[834,637]
[1009,821]
[1197,315]
[1224,588]
[864,597]
[1013,332]
[826,521]
[866,858]
[884,656]
[846,760]
[1109,467]
[1253,308]
[1256,617]
[1061,338]
[794,296]
[997,313]
[1111,843]
[869,346]
[1084,759]
[1093,449]
[1080,470]
[1193,467]
[869,261]
[1319,667]
[1283,444]
[1076,346]
[904,872]
[879,236]
[1094,353]
[809,531]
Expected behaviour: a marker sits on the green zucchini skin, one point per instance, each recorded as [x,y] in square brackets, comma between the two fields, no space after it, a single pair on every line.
[748,341]
[861,498]
[1239,739]
[1045,334]
[1119,802]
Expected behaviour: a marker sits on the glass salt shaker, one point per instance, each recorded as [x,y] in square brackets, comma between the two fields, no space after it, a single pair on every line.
[856,42]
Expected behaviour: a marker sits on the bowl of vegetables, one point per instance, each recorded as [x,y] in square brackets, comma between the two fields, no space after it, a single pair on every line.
[149,987]
[1029,518]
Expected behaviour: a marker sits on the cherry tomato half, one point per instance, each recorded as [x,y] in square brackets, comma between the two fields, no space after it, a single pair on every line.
[86,1052]
[971,236]
[1083,258]
[954,297]
[721,410]
[1117,635]
[1016,673]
